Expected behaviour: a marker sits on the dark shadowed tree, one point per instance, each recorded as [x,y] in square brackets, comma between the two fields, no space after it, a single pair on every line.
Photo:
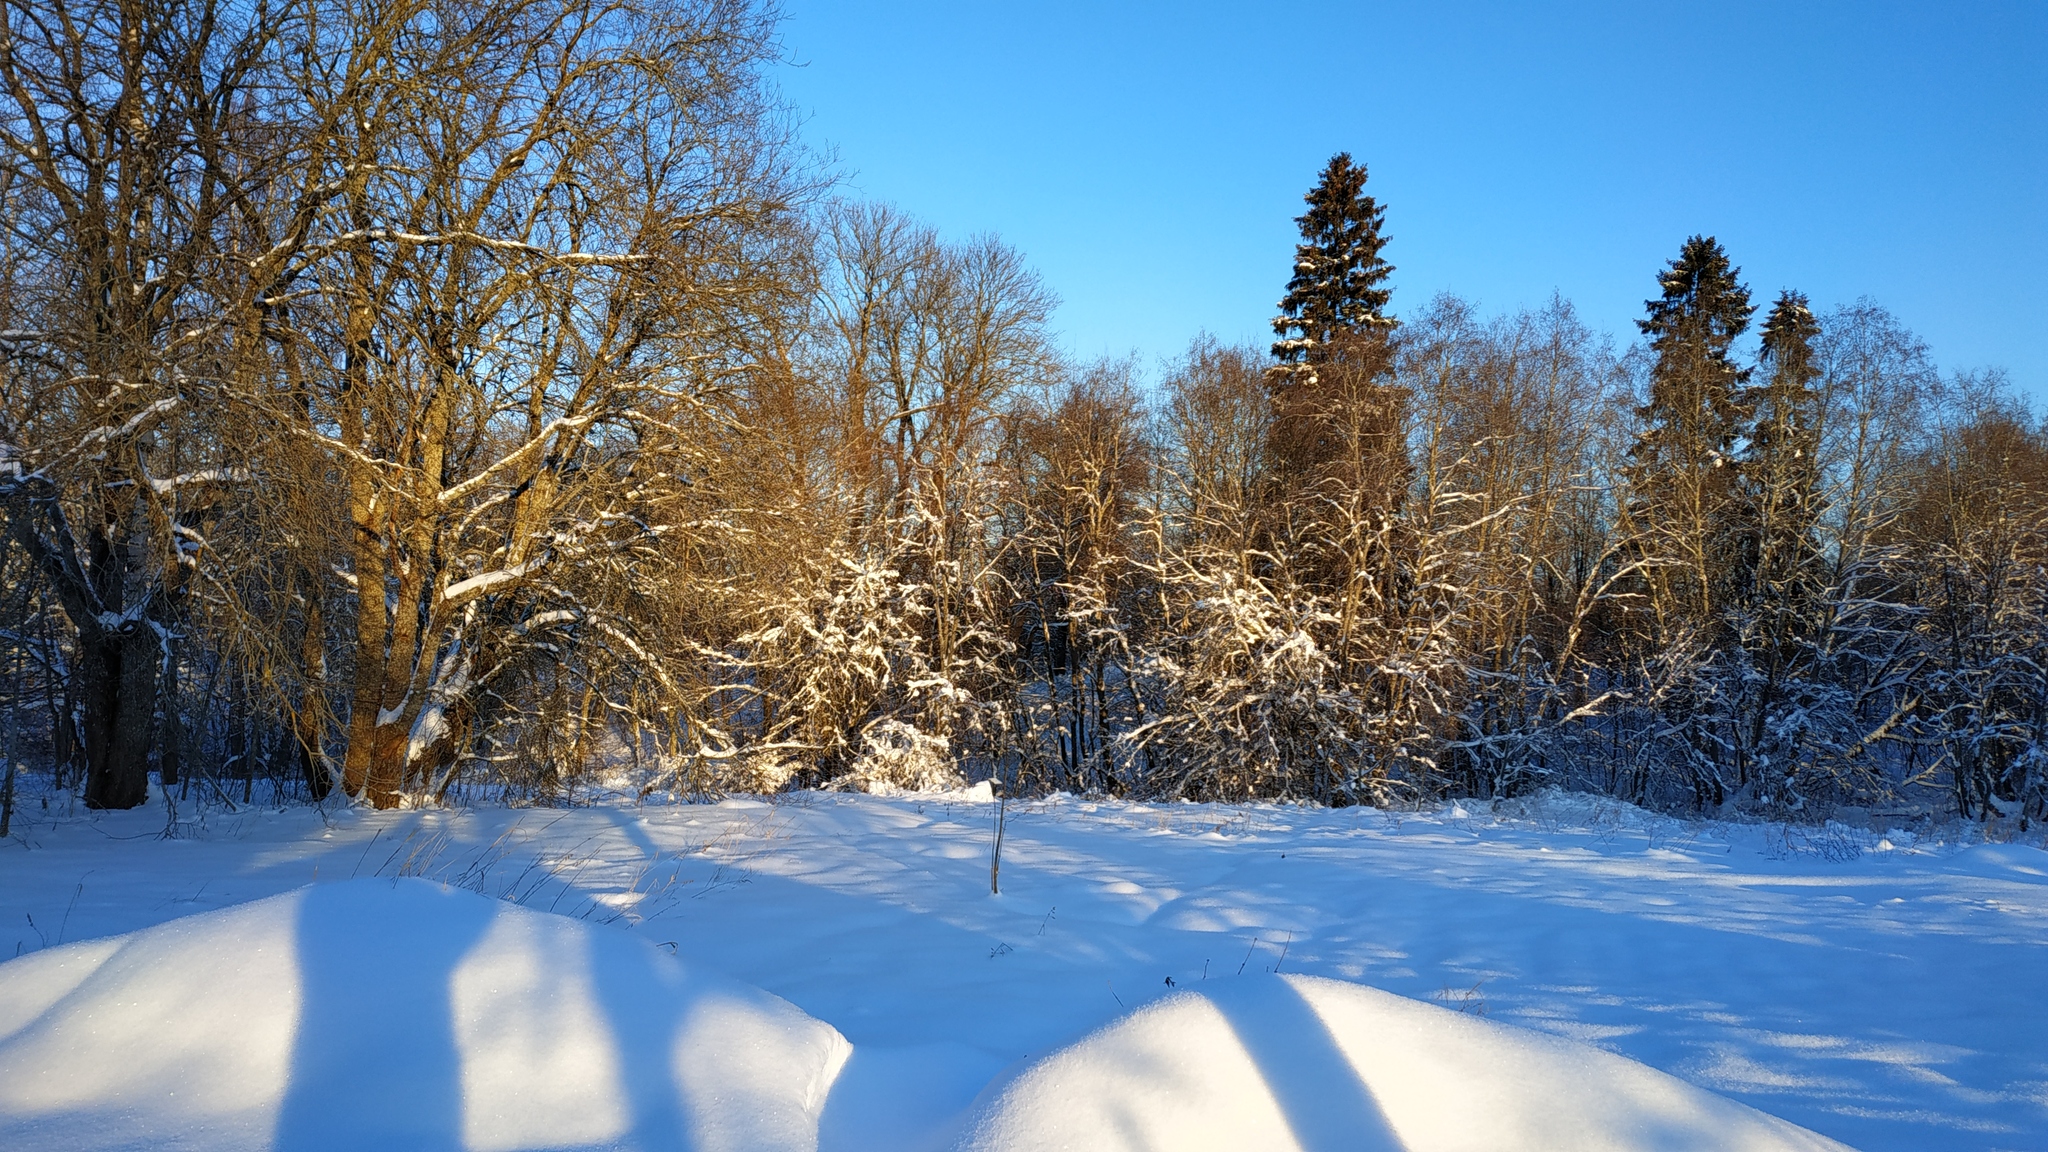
[1684,509]
[1776,611]
[1337,289]
[134,138]
[1682,472]
[1336,431]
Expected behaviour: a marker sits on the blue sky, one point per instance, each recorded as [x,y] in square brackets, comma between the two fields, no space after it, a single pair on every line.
[1149,158]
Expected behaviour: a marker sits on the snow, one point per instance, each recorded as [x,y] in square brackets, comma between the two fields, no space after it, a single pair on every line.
[401,1013]
[1873,987]
[1302,1062]
[484,583]
[170,485]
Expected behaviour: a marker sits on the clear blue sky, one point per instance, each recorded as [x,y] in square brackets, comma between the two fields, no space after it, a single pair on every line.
[1149,158]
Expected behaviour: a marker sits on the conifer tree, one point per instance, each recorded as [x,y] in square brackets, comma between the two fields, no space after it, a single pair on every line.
[1777,613]
[1686,504]
[1780,468]
[1338,453]
[1336,432]
[1683,469]
[1336,290]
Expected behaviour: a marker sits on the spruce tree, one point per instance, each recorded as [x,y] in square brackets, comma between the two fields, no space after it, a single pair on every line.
[1684,496]
[1778,612]
[1337,289]
[1781,466]
[1683,469]
[1338,464]
[1336,437]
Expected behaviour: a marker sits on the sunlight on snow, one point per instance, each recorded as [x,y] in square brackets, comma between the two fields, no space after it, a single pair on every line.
[540,1065]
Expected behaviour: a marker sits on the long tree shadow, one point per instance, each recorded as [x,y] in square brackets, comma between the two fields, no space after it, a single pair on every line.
[1327,1107]
[654,1116]
[374,1062]
[897,1092]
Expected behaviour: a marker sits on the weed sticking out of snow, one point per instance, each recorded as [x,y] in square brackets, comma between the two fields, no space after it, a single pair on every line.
[1464,1000]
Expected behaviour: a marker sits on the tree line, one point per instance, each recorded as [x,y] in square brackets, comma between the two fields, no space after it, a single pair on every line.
[406,399]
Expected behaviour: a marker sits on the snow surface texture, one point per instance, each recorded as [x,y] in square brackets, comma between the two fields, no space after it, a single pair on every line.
[1300,1062]
[381,1014]
[321,1019]
[1871,988]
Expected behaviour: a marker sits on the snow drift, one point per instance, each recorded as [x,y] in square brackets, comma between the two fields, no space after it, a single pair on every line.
[407,1015]
[1298,1062]
[374,1014]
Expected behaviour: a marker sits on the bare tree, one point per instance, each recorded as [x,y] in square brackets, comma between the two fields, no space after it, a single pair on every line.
[133,137]
[885,542]
[1079,468]
[1978,538]
[517,323]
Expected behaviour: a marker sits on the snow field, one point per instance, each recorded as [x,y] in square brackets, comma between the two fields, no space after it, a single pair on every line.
[1883,1001]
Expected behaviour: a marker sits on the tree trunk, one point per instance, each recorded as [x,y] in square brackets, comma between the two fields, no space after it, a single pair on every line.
[63,726]
[171,734]
[307,727]
[118,670]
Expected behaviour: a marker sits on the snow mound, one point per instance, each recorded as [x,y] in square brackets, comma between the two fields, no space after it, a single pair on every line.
[1298,1062]
[380,1014]
[2017,862]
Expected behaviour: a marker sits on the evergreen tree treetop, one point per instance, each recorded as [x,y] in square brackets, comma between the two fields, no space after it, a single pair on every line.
[1337,287]
[1704,304]
[1683,468]
[1696,407]
[1788,334]
[1782,466]
[1785,405]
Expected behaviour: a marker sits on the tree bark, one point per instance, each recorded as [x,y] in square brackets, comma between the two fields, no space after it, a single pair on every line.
[118,672]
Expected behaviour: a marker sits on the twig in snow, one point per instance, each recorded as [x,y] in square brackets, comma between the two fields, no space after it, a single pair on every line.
[366,853]
[1247,956]
[66,923]
[1112,992]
